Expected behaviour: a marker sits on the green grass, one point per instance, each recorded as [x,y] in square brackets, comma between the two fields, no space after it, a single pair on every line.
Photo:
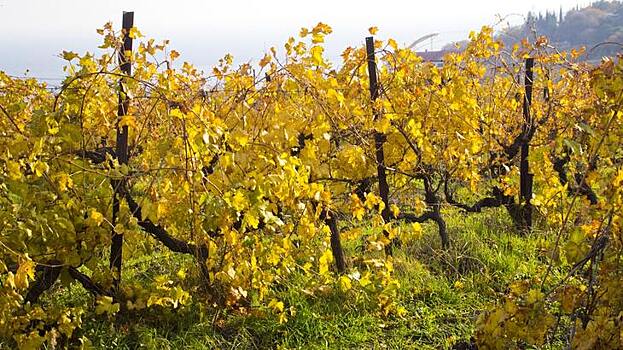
[442,291]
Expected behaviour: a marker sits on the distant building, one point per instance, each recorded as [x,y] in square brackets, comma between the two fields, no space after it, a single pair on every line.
[434,57]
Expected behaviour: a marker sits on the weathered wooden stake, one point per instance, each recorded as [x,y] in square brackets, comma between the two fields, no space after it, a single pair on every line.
[379,139]
[336,243]
[525,178]
[121,150]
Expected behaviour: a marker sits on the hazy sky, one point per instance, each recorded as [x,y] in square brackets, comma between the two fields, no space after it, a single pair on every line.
[33,32]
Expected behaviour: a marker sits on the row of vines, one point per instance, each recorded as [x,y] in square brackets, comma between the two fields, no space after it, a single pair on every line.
[259,171]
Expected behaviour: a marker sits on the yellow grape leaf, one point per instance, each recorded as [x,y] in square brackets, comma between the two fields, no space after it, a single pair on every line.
[14,170]
[64,182]
[326,196]
[419,207]
[181,297]
[238,201]
[95,218]
[135,33]
[149,211]
[30,341]
[161,210]
[392,232]
[392,43]
[322,28]
[337,96]
[475,146]
[69,55]
[416,230]
[414,128]
[345,283]
[382,125]
[541,41]
[242,140]
[395,210]
[401,311]
[252,219]
[317,38]
[276,305]
[25,272]
[373,30]
[175,112]
[229,59]
[105,305]
[40,168]
[324,261]
[353,156]
[373,200]
[128,120]
[357,207]
[264,61]
[436,79]
[186,187]
[10,280]
[365,279]
[316,54]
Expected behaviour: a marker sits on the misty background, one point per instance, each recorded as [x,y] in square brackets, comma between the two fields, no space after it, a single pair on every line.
[34,32]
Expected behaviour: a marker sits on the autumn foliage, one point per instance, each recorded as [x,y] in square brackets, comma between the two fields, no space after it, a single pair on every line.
[259,171]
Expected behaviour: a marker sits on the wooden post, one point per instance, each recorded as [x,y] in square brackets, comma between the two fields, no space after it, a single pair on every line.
[336,243]
[525,178]
[379,139]
[121,149]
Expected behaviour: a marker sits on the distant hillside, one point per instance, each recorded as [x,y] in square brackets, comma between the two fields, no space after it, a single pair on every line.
[600,22]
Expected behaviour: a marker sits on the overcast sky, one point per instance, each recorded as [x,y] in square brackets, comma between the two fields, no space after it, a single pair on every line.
[33,32]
